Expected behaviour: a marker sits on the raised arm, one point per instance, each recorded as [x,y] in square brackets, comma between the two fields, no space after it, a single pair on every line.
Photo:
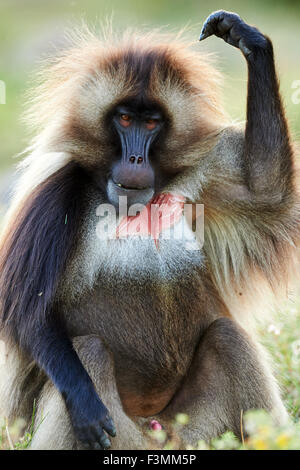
[267,159]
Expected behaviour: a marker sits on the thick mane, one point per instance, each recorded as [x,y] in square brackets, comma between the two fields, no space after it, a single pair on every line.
[114,63]
[78,88]
[74,91]
[36,249]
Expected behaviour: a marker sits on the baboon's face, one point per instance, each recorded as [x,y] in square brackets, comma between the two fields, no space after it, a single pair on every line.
[135,116]
[134,172]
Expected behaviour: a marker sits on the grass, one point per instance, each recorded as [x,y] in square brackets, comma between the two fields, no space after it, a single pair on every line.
[283,342]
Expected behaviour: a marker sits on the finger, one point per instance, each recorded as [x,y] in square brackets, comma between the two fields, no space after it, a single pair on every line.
[206,31]
[105,443]
[109,427]
[204,35]
[101,438]
[209,27]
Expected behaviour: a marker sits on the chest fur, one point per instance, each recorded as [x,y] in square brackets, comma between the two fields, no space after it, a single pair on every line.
[108,259]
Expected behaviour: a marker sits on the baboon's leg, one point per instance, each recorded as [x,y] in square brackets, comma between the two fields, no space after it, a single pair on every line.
[52,424]
[52,428]
[20,382]
[228,376]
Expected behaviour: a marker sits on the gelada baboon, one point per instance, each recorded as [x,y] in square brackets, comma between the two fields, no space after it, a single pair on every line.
[109,333]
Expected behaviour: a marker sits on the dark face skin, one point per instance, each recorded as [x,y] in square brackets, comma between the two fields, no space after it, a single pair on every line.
[133,175]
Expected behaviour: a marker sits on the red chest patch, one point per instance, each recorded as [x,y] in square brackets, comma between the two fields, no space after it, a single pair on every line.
[159,215]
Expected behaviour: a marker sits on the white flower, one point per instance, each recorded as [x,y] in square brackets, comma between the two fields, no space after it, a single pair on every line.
[274,329]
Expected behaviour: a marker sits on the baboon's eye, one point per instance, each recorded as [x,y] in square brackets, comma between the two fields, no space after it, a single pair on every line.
[151,124]
[125,120]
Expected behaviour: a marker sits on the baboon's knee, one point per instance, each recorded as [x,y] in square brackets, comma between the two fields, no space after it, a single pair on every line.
[225,339]
[242,365]
[52,426]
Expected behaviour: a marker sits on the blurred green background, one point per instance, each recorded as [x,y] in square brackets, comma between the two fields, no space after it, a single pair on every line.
[32,29]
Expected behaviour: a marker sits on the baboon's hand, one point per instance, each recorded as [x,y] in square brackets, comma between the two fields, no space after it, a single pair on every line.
[91,421]
[230,27]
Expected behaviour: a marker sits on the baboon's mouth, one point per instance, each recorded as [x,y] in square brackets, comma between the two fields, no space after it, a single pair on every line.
[135,194]
[130,188]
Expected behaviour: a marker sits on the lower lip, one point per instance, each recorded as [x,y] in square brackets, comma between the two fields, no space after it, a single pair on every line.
[130,189]
[134,196]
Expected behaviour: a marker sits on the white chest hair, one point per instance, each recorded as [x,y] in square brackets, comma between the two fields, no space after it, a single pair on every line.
[171,256]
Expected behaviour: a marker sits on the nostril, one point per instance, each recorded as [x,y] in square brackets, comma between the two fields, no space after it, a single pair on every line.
[132,159]
[140,159]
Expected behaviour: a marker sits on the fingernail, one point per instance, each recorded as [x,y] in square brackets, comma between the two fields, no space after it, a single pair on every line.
[112,429]
[107,444]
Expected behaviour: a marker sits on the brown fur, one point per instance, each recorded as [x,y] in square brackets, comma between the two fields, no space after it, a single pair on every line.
[151,325]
